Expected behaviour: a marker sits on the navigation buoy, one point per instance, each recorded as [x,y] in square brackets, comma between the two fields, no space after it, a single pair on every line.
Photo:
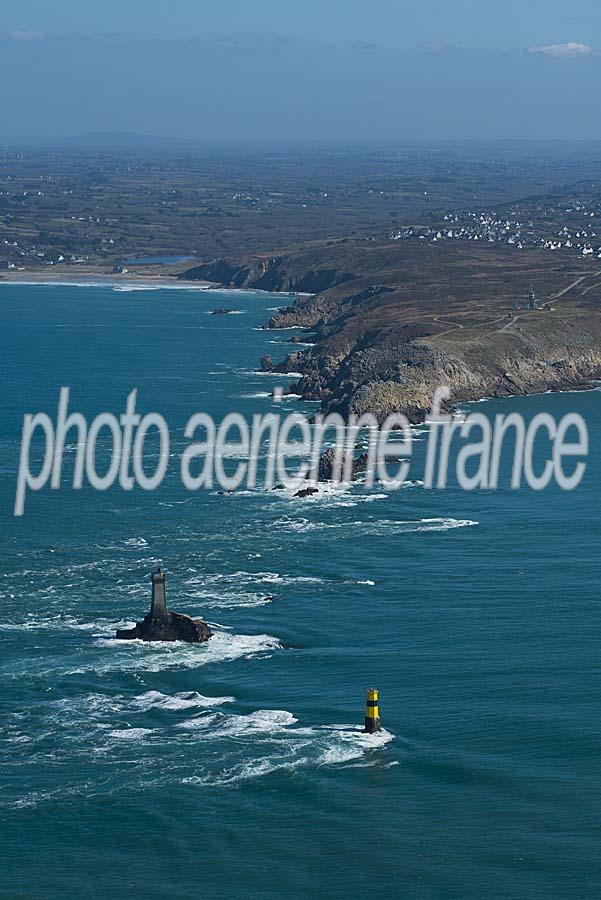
[372,717]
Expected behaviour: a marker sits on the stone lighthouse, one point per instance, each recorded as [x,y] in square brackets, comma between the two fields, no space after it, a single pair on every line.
[160,624]
[158,604]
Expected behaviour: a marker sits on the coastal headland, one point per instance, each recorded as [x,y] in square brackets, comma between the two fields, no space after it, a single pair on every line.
[419,271]
[390,321]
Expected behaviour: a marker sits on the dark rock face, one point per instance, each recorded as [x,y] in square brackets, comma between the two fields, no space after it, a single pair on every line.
[171,627]
[331,464]
[289,364]
[218,271]
[269,274]
[306,492]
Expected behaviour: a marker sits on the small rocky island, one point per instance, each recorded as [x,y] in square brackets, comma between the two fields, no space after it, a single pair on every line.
[163,625]
[222,311]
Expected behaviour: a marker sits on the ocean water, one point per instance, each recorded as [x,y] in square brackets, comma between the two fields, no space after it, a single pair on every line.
[238,768]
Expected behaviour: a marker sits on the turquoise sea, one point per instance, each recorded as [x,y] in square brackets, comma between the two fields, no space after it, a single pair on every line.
[238,769]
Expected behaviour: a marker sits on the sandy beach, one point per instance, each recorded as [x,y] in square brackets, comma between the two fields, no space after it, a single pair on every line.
[99,275]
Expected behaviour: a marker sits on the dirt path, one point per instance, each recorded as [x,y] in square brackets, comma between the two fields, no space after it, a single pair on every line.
[506,326]
[574,284]
[481,325]
[455,326]
[591,287]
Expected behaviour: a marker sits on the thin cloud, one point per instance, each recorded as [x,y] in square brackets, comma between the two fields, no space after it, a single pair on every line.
[571,50]
[26,35]
[364,45]
[31,36]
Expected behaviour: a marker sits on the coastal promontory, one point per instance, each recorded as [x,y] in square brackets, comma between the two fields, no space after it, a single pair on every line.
[391,321]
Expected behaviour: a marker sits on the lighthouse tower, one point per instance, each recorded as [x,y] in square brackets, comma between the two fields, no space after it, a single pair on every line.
[158,607]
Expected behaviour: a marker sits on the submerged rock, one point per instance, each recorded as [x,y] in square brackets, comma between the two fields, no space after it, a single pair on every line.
[334,463]
[307,492]
[163,625]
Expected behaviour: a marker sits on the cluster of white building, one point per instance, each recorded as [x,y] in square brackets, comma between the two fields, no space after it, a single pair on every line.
[27,251]
[488,228]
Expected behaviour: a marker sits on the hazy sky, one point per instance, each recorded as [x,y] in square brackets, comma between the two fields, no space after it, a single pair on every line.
[302,69]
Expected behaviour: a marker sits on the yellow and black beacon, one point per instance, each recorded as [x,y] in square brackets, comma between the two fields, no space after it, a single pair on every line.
[372,715]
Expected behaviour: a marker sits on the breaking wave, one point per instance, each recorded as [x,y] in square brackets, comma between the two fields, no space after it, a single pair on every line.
[289,747]
[176,702]
[156,656]
[375,527]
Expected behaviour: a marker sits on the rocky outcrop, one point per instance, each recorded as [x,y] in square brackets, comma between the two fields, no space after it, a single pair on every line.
[172,627]
[335,463]
[306,492]
[293,362]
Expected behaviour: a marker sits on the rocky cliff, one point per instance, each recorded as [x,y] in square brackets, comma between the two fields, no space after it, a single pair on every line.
[395,323]
[276,274]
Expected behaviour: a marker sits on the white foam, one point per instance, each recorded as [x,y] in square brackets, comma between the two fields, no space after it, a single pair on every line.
[268,721]
[66,622]
[156,656]
[296,343]
[179,701]
[300,525]
[128,288]
[445,524]
[243,577]
[90,705]
[352,745]
[35,798]
[403,526]
[109,283]
[240,589]
[375,527]
[231,746]
[276,374]
[291,748]
[131,734]
[224,599]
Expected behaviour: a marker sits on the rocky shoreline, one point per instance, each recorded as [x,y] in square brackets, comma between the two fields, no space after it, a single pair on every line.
[384,374]
[388,329]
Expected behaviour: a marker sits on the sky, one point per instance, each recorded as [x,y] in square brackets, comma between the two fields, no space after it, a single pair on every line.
[301,70]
